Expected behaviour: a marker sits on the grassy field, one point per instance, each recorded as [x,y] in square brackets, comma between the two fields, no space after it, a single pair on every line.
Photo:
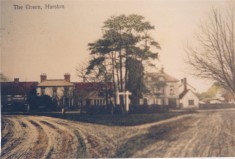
[117,120]
[121,120]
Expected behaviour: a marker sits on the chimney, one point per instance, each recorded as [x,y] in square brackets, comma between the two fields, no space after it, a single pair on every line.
[67,77]
[16,79]
[43,77]
[185,84]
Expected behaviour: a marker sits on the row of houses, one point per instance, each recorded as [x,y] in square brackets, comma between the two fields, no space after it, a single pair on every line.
[63,91]
[163,90]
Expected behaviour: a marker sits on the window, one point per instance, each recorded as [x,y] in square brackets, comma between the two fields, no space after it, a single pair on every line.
[191,102]
[172,92]
[99,101]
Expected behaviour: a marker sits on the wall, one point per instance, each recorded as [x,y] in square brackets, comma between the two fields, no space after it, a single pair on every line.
[152,98]
[189,96]
[168,91]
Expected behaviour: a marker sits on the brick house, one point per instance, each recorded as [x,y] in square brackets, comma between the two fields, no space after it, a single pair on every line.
[61,90]
[65,92]
[93,93]
[75,94]
[14,93]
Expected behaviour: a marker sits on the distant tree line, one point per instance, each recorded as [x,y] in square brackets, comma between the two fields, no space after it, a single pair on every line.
[211,92]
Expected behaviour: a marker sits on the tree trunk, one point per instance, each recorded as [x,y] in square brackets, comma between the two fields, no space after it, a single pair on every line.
[121,79]
[114,82]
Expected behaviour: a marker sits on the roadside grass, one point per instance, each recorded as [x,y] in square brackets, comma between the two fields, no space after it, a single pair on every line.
[116,120]
[217,106]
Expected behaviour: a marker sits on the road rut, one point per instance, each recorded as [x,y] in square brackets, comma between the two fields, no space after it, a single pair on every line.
[203,134]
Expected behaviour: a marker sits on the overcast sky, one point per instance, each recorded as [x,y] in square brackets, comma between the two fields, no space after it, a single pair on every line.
[55,41]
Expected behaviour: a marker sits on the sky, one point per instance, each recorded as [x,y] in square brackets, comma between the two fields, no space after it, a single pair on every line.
[35,41]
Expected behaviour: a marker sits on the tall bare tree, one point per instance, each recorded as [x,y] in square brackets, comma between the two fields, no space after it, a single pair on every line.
[215,57]
[81,71]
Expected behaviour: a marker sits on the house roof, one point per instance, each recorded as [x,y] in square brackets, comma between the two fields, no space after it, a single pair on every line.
[92,85]
[185,92]
[55,83]
[16,88]
[167,77]
[228,96]
[194,89]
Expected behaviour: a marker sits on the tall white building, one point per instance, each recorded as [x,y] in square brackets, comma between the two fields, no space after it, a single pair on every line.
[162,89]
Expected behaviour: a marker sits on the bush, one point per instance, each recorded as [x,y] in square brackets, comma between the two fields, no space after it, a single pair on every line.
[139,109]
[33,101]
[99,109]
[18,107]
[216,106]
[43,102]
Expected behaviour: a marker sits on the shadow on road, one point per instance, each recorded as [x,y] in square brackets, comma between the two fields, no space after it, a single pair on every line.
[166,133]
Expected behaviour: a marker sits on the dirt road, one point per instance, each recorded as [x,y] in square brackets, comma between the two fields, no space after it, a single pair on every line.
[203,134]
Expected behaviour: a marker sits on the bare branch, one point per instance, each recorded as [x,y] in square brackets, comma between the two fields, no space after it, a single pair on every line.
[215,59]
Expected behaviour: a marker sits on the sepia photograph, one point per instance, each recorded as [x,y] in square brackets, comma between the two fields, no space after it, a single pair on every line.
[117,79]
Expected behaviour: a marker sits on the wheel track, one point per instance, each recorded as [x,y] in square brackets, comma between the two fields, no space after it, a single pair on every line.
[42,140]
[18,136]
[189,143]
[180,149]
[108,137]
[67,139]
[211,133]
[159,137]
[160,146]
[93,142]
[32,137]
[82,145]
[225,139]
[6,131]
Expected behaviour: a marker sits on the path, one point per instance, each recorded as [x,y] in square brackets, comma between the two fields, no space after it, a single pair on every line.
[203,134]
